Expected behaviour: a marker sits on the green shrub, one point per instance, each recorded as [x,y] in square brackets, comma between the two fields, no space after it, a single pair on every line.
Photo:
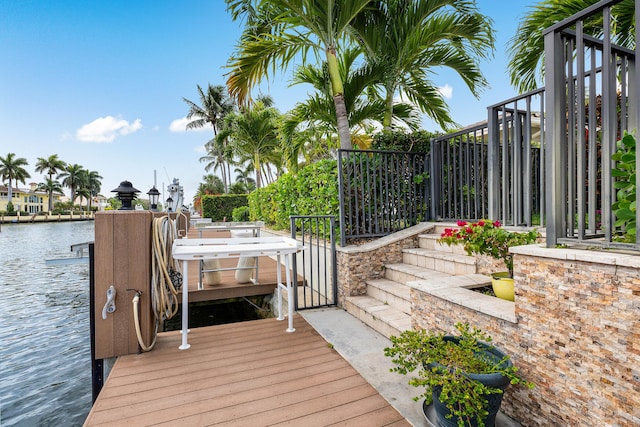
[417,142]
[241,214]
[625,174]
[313,191]
[220,207]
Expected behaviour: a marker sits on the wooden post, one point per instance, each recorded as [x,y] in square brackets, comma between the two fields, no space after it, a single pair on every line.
[122,259]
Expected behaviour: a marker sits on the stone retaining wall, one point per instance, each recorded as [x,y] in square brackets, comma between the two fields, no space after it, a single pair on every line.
[577,336]
[357,264]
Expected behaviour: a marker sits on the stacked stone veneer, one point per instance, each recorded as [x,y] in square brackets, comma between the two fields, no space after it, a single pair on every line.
[576,335]
[357,264]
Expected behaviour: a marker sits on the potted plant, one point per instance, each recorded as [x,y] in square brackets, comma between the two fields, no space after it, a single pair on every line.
[464,376]
[486,237]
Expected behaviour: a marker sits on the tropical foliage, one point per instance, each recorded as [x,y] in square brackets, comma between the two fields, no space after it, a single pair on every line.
[220,207]
[277,32]
[12,170]
[526,52]
[625,174]
[404,40]
[51,165]
[214,106]
[253,135]
[312,191]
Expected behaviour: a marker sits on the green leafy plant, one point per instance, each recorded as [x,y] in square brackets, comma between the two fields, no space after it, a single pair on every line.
[625,174]
[241,214]
[445,363]
[487,237]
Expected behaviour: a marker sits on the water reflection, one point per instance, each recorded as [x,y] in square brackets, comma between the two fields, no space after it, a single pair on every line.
[44,339]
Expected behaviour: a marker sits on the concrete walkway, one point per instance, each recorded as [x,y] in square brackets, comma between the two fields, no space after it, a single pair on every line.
[364,348]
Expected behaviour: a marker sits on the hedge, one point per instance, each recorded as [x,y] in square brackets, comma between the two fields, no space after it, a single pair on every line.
[313,191]
[220,207]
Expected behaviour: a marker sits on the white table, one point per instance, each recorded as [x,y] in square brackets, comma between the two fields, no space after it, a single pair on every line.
[253,227]
[201,249]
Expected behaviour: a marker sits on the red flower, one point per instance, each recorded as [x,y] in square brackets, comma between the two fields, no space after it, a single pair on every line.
[497,224]
[462,223]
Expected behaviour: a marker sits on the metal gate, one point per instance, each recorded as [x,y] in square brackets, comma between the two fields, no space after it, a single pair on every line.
[316,278]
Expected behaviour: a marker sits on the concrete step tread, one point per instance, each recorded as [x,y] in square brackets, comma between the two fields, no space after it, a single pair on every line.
[445,256]
[398,289]
[461,281]
[380,312]
[419,272]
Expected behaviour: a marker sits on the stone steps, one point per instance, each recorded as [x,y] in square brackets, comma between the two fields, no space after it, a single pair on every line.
[387,305]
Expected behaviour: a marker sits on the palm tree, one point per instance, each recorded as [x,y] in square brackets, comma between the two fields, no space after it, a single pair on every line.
[279,31]
[526,51]
[74,177]
[404,40]
[212,185]
[50,165]
[310,126]
[217,157]
[11,168]
[254,135]
[243,177]
[50,186]
[93,185]
[215,105]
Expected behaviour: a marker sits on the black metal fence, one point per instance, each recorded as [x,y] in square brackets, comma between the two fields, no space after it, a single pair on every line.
[317,263]
[459,170]
[593,92]
[542,158]
[515,168]
[381,192]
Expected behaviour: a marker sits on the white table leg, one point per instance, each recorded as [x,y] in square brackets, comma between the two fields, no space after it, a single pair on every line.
[185,305]
[279,287]
[289,293]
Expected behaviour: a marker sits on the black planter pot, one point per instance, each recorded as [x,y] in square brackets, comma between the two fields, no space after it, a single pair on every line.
[491,380]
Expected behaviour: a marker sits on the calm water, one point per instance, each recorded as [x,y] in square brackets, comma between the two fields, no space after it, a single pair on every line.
[45,359]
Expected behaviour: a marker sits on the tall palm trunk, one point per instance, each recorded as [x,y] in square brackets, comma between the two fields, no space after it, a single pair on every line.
[338,99]
[10,194]
[388,111]
[256,165]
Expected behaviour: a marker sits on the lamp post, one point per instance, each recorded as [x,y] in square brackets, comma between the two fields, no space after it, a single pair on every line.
[169,203]
[126,193]
[154,195]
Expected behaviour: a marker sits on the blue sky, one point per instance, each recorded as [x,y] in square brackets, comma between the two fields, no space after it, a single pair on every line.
[101,83]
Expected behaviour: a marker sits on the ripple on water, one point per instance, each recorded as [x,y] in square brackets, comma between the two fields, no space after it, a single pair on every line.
[45,354]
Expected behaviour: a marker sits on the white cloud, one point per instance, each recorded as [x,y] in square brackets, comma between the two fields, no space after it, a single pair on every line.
[180,125]
[446,91]
[106,129]
[200,149]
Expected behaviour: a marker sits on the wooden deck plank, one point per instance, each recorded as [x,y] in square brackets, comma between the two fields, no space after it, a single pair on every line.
[249,373]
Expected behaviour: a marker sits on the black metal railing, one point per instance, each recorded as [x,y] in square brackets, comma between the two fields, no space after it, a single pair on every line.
[459,170]
[381,192]
[317,263]
[515,166]
[592,99]
[542,158]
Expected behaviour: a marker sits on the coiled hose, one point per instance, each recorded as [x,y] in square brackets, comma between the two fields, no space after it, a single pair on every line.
[164,271]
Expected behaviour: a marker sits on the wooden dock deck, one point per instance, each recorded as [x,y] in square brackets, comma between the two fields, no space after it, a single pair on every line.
[240,374]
